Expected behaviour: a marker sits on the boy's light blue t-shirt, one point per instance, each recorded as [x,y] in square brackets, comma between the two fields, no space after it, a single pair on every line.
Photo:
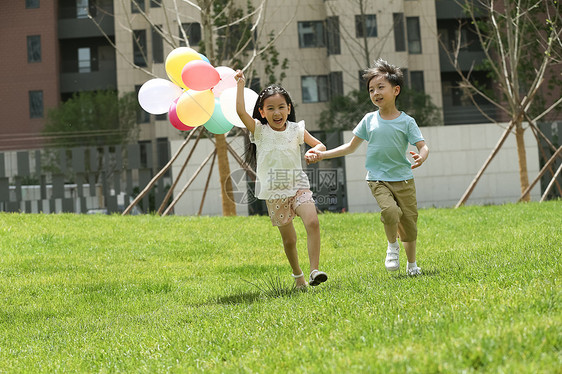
[387,142]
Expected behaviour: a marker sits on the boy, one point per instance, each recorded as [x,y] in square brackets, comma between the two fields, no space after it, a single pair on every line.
[389,173]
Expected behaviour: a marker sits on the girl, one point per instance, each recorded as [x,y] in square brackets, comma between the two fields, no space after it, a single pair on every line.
[280,178]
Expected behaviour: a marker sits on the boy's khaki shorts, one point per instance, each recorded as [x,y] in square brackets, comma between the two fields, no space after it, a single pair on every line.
[283,211]
[398,204]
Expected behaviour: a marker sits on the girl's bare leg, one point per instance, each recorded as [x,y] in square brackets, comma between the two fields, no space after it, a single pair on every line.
[289,236]
[309,217]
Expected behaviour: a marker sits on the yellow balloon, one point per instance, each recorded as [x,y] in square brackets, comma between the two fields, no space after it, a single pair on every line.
[194,108]
[176,60]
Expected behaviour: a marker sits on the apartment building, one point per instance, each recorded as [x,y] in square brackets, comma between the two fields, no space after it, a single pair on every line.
[52,49]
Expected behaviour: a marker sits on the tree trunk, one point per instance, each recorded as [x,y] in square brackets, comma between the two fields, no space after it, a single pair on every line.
[228,206]
[522,155]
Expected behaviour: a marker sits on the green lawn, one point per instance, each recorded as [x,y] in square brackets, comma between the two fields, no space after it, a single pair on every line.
[82,293]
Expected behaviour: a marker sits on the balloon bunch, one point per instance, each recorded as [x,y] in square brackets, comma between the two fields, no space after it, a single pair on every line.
[197,93]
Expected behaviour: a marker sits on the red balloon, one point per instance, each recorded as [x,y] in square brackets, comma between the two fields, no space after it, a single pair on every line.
[199,75]
[174,120]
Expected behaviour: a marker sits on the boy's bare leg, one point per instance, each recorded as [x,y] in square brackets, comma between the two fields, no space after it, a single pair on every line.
[410,248]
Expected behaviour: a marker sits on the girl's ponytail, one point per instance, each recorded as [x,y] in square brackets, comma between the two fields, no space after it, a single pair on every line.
[250,154]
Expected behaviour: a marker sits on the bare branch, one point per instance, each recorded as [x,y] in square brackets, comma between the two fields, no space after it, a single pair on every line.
[550,108]
[256,52]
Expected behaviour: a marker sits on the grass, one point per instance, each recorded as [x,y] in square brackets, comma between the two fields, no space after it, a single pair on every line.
[214,294]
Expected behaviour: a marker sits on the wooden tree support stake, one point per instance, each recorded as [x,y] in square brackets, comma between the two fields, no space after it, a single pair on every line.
[189,182]
[486,163]
[541,173]
[157,176]
[207,185]
[177,177]
[551,183]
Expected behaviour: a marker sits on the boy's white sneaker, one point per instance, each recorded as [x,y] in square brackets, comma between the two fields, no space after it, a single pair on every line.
[392,262]
[413,271]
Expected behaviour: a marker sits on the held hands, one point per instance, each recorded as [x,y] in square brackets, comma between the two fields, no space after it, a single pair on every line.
[313,155]
[418,160]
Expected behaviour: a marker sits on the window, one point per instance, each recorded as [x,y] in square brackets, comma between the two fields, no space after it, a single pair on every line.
[399,36]
[155,3]
[142,115]
[157,46]
[457,95]
[84,60]
[333,35]
[406,78]
[139,47]
[362,81]
[34,48]
[416,81]
[414,38]
[366,25]
[311,34]
[82,8]
[192,31]
[137,6]
[314,88]
[31,4]
[35,104]
[449,35]
[336,83]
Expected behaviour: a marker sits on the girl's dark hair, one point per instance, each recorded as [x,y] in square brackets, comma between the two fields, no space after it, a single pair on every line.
[274,89]
[392,73]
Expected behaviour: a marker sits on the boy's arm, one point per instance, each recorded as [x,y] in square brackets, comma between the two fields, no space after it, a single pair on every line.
[419,158]
[342,150]
[241,105]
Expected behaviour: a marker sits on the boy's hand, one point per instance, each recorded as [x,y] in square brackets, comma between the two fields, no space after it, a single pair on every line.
[312,156]
[418,160]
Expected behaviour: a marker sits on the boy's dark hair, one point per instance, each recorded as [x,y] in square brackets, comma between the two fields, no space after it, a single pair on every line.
[274,89]
[392,73]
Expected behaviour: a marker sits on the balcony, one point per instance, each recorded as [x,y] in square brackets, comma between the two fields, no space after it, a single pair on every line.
[74,24]
[102,79]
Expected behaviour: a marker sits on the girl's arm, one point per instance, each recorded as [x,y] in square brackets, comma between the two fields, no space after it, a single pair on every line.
[317,146]
[419,158]
[313,142]
[241,105]
[342,150]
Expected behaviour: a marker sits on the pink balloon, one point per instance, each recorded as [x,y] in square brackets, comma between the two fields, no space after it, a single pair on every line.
[226,80]
[199,75]
[174,120]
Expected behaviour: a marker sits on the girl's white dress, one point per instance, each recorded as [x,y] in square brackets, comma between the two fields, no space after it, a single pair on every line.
[279,161]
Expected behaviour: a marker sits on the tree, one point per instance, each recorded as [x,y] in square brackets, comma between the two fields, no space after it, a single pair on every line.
[93,119]
[523,52]
[231,36]
[90,119]
[345,111]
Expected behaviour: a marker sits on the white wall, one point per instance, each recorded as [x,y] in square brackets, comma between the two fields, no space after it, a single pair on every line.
[190,201]
[456,155]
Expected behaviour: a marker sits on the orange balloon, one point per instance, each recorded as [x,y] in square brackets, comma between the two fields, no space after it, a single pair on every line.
[194,108]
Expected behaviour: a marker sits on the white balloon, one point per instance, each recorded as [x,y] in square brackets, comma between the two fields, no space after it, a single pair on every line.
[156,95]
[226,80]
[228,104]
